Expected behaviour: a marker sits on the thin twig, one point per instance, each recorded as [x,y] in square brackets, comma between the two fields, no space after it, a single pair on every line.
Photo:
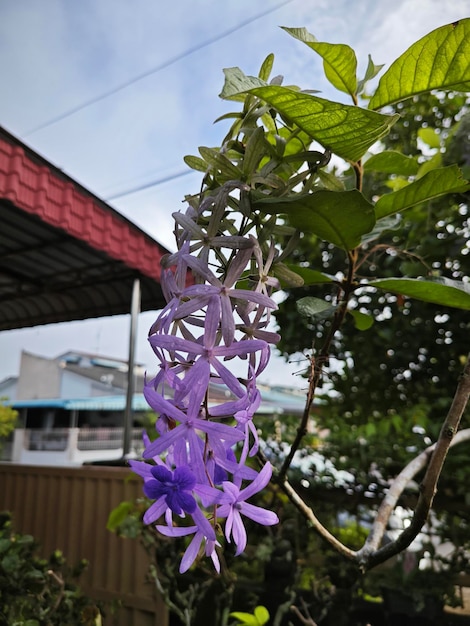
[305,619]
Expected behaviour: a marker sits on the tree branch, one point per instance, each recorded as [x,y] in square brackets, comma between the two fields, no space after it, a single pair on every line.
[314,522]
[371,555]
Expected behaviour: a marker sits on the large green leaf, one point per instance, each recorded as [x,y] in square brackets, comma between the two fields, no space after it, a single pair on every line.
[432,185]
[339,60]
[340,217]
[441,291]
[392,162]
[440,60]
[346,130]
[309,276]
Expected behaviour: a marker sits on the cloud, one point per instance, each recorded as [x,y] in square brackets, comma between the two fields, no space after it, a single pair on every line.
[55,55]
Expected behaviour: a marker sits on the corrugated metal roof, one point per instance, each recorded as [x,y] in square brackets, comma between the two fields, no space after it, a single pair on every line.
[111,403]
[101,403]
[66,254]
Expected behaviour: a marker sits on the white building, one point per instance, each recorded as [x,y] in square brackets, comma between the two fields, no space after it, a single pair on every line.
[71,409]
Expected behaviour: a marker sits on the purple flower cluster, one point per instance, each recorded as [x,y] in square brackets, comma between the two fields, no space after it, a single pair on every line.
[217,290]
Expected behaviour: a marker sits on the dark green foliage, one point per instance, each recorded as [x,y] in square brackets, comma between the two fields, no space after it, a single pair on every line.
[39,592]
[401,372]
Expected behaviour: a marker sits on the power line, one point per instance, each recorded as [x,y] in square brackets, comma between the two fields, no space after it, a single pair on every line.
[153,183]
[154,70]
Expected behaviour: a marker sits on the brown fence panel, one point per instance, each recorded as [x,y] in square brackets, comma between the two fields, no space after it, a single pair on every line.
[67,509]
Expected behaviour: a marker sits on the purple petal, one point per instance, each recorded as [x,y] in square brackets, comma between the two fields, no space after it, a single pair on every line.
[185,500]
[160,405]
[155,511]
[154,489]
[212,322]
[238,264]
[220,431]
[172,344]
[209,495]
[203,524]
[176,531]
[184,478]
[163,442]
[241,348]
[258,484]
[142,469]
[161,473]
[228,323]
[238,532]
[253,296]
[191,552]
[258,514]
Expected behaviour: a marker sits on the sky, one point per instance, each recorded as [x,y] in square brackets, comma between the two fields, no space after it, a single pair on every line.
[116,93]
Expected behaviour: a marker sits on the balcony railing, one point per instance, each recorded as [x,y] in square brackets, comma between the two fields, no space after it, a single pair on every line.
[107,439]
[53,440]
[68,446]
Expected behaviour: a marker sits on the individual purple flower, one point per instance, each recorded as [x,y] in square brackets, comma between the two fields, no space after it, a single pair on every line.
[234,505]
[185,434]
[199,295]
[171,489]
[206,354]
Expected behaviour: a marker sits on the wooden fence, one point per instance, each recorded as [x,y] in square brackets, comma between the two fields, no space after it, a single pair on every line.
[67,509]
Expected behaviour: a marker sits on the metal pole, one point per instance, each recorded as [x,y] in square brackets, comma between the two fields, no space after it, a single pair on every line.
[135,310]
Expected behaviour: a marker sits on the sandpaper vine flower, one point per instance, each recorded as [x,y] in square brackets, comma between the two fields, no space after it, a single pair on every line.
[196,467]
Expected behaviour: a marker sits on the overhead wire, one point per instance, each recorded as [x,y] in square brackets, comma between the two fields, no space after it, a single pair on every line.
[153,183]
[158,68]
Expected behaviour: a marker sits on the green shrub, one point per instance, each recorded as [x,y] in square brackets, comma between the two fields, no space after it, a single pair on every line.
[39,592]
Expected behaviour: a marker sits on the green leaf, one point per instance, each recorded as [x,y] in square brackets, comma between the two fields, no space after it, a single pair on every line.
[362,321]
[432,185]
[430,137]
[434,163]
[330,181]
[11,563]
[346,130]
[312,307]
[255,150]
[220,162]
[266,67]
[195,163]
[440,60]
[340,217]
[382,225]
[118,515]
[262,615]
[443,291]
[287,277]
[392,162]
[339,60]
[371,72]
[309,276]
[237,84]
[245,618]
